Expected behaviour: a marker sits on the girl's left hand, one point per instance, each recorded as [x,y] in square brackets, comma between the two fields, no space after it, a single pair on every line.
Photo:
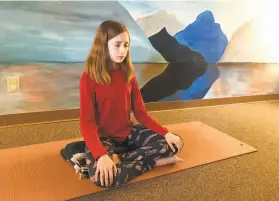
[174,139]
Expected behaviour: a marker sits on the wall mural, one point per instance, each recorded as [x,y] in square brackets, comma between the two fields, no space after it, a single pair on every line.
[182,50]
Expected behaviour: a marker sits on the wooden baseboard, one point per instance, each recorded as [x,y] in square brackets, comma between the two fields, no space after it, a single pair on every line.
[73,114]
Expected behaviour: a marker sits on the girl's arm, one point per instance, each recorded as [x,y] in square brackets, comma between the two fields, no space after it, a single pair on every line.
[140,113]
[88,124]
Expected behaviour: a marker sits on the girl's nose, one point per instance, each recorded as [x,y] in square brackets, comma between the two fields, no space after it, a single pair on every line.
[122,50]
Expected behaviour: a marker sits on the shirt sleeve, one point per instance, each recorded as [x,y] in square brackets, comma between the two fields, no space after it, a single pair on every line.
[140,113]
[88,126]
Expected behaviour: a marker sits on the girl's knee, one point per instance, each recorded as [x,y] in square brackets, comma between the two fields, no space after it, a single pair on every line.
[97,181]
[170,151]
[98,184]
[175,148]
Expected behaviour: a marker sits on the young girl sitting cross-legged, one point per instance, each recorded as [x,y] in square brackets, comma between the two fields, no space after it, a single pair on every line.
[109,92]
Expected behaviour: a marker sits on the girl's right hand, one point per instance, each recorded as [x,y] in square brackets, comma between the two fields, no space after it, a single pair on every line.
[107,169]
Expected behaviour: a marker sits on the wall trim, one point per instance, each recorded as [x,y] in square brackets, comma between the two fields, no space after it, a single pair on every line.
[73,114]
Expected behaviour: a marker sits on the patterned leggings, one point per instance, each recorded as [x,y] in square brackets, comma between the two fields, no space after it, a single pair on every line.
[146,146]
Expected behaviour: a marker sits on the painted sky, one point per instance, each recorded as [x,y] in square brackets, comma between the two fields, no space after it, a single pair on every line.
[232,15]
[53,31]
[229,13]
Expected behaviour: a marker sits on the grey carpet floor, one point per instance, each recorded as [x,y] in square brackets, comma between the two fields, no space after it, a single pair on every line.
[253,176]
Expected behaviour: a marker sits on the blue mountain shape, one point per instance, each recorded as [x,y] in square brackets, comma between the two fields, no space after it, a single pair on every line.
[205,36]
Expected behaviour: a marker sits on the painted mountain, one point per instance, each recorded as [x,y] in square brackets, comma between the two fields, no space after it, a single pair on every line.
[153,23]
[185,66]
[205,36]
[63,31]
[255,41]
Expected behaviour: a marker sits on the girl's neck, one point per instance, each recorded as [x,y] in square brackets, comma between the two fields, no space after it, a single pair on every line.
[115,66]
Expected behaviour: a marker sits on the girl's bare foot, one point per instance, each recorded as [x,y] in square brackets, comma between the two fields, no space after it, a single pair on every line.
[168,160]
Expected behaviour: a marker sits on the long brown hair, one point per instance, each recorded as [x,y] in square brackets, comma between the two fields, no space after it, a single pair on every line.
[98,62]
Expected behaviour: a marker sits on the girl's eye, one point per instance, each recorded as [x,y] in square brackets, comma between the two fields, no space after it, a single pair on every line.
[120,45]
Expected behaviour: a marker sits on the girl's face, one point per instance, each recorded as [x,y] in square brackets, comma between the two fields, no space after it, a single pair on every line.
[118,47]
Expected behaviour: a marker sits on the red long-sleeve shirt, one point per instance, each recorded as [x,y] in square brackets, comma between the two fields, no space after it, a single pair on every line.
[111,117]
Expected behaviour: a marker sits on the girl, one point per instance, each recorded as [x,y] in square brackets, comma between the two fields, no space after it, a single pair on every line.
[108,92]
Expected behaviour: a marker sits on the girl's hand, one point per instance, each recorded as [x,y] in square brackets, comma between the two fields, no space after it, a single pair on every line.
[174,139]
[107,170]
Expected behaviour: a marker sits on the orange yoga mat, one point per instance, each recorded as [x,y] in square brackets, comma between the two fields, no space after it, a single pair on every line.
[38,172]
